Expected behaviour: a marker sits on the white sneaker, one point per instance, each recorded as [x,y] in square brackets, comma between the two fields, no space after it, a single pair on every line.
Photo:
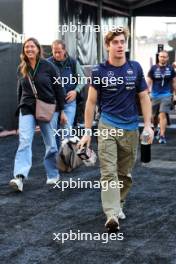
[17,184]
[52,181]
[112,224]
[121,214]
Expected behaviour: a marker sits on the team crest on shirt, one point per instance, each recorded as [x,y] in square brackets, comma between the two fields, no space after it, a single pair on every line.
[110,74]
[130,71]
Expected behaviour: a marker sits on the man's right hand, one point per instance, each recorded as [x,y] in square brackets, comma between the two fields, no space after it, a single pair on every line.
[85,140]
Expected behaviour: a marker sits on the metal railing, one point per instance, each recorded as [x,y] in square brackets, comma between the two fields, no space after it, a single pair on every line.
[11,35]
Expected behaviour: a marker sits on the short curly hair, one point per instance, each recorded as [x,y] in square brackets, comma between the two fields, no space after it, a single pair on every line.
[117,32]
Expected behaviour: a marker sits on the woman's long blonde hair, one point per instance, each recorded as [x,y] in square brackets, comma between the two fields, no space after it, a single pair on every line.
[24,65]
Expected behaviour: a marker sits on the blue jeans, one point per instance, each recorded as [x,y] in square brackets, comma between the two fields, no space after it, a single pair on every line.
[23,158]
[70,110]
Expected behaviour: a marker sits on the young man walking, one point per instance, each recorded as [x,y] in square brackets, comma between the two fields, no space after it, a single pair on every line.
[115,84]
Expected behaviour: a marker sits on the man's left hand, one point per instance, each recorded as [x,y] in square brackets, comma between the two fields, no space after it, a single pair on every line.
[71,96]
[63,118]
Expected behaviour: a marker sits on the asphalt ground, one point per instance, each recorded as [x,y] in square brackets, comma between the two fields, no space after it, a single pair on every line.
[30,222]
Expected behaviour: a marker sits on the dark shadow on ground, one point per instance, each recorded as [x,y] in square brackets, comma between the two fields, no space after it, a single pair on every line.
[29,219]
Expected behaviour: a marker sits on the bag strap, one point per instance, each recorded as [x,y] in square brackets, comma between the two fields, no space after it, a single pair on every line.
[32,84]
[68,162]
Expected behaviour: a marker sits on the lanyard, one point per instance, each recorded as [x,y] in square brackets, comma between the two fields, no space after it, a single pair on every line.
[35,70]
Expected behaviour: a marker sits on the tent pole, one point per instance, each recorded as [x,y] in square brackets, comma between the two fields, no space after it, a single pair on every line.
[99,39]
[133,37]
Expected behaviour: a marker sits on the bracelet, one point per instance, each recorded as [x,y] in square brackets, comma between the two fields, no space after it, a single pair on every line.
[87,132]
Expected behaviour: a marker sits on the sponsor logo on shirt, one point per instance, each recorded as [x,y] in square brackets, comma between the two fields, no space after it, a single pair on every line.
[130,72]
[110,74]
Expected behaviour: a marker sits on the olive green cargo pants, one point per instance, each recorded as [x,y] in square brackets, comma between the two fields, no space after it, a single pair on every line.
[117,154]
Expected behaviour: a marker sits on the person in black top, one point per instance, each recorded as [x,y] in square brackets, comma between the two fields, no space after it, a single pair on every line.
[42,73]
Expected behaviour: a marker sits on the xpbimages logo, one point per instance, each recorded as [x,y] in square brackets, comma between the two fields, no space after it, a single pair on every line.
[80,132]
[85,184]
[79,236]
[80,28]
[105,81]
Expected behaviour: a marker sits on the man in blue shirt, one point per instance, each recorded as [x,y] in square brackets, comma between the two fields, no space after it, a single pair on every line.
[115,84]
[69,70]
[160,79]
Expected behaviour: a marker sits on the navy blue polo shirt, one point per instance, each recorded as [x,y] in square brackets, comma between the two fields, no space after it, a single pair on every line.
[117,88]
[66,73]
[162,77]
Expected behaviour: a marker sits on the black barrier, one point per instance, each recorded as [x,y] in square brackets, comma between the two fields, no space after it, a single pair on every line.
[9,54]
